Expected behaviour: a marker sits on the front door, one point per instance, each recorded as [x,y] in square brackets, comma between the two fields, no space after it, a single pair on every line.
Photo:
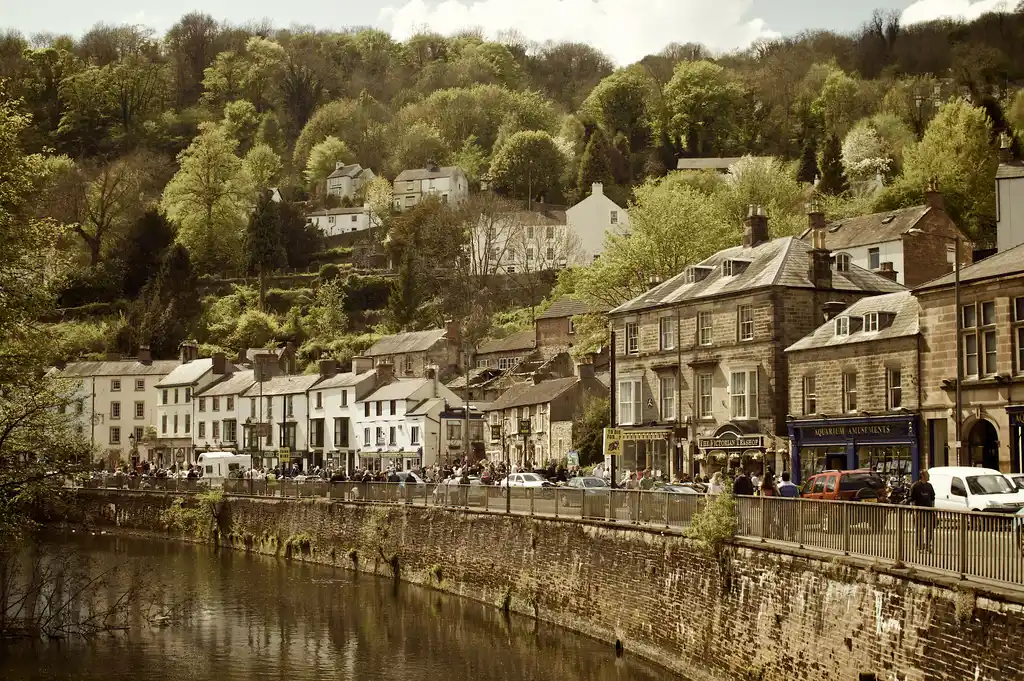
[983,445]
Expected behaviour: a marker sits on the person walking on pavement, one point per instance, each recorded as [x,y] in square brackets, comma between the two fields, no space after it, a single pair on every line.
[788,490]
[923,494]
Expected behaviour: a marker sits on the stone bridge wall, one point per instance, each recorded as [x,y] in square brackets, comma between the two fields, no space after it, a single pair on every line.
[761,615]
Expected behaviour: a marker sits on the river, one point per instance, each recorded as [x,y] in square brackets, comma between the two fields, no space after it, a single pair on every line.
[256,617]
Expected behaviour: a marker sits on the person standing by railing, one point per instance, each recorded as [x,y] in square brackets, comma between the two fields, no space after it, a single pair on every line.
[923,494]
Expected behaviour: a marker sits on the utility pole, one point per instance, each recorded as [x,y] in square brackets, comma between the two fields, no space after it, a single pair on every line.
[465,414]
[959,353]
[612,391]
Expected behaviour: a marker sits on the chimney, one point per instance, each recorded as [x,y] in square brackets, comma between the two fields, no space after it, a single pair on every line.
[145,355]
[360,365]
[932,196]
[585,370]
[220,363]
[597,189]
[264,366]
[832,309]
[431,375]
[385,373]
[338,165]
[819,269]
[886,271]
[188,351]
[328,367]
[816,218]
[756,227]
[1005,153]
[113,356]
[453,332]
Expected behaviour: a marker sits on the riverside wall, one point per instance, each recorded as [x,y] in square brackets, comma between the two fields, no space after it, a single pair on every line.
[757,615]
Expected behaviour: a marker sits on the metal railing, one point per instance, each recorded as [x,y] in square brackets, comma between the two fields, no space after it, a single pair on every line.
[980,545]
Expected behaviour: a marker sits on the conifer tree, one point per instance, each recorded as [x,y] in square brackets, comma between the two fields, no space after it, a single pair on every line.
[833,175]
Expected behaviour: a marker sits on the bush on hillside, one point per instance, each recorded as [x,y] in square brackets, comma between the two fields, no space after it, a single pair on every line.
[255,329]
[328,272]
[366,293]
[281,300]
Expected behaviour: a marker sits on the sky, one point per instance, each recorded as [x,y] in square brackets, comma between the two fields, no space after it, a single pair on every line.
[625,30]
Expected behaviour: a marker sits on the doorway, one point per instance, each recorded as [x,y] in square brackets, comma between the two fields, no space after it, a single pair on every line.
[983,445]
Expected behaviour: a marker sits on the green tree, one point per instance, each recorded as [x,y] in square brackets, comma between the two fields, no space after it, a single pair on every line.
[209,199]
[702,101]
[472,158]
[241,122]
[529,164]
[417,146]
[168,309]
[767,182]
[596,164]
[833,175]
[807,171]
[323,159]
[263,166]
[588,426]
[301,239]
[327,319]
[621,103]
[263,248]
[142,250]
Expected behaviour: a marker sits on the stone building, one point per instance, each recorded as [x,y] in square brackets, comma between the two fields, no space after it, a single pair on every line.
[992,352]
[854,390]
[505,353]
[701,376]
[532,422]
[414,352]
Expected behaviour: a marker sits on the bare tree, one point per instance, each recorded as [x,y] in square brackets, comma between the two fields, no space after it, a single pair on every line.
[537,248]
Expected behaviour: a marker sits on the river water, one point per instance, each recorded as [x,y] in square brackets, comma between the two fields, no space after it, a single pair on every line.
[256,617]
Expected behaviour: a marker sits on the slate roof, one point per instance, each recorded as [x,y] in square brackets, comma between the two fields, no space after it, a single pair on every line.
[1009,171]
[526,394]
[283,385]
[780,262]
[352,170]
[124,367]
[1010,261]
[906,323]
[232,384]
[711,163]
[401,389]
[356,210]
[344,380]
[426,406]
[413,174]
[411,341]
[187,374]
[250,353]
[539,218]
[478,377]
[566,306]
[521,340]
[875,228]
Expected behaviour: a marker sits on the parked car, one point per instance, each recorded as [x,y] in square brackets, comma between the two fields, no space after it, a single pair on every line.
[1017,479]
[524,480]
[580,487]
[861,485]
[960,488]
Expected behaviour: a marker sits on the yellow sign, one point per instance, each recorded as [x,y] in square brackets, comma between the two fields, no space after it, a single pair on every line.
[643,435]
[612,441]
[284,451]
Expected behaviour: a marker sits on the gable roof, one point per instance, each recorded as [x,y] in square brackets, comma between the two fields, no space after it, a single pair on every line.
[283,385]
[402,389]
[123,367]
[520,340]
[710,163]
[1009,171]
[344,380]
[781,262]
[530,393]
[355,210]
[566,306]
[231,384]
[906,323]
[187,374]
[410,341]
[351,170]
[426,406]
[412,174]
[874,228]
[1010,261]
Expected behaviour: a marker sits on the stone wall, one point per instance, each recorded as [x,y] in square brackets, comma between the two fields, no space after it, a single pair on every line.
[760,615]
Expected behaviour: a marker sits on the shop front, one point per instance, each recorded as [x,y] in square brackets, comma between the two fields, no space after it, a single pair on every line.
[730,451]
[1015,416]
[647,449]
[887,444]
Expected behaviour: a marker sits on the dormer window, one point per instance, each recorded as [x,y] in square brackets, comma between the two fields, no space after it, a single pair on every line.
[842,262]
[871,322]
[696,273]
[842,327]
[727,268]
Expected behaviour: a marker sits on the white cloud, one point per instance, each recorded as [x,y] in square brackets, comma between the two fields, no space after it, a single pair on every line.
[927,10]
[625,30]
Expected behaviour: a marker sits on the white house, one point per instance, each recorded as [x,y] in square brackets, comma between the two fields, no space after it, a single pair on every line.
[347,180]
[398,423]
[592,218]
[285,408]
[218,411]
[115,403]
[524,241]
[332,414]
[1009,205]
[412,186]
[174,443]
[335,221]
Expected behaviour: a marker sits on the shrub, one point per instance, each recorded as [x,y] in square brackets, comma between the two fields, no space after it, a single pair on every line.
[366,293]
[714,527]
[255,329]
[328,272]
[281,300]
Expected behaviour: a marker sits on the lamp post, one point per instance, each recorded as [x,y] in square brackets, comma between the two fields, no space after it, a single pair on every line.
[133,448]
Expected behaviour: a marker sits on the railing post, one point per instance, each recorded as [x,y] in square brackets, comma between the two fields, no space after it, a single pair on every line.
[487,497]
[666,495]
[556,504]
[800,522]
[764,520]
[962,564]
[900,534]
[846,527]
[636,515]
[531,491]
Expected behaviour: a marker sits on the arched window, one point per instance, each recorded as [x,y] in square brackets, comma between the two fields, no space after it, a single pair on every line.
[842,262]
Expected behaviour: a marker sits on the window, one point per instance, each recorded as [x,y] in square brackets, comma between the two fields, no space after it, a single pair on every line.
[140,434]
[704,328]
[894,388]
[164,395]
[380,437]
[511,269]
[188,423]
[454,431]
[632,338]
[366,436]
[188,394]
[140,410]
[842,326]
[344,398]
[175,395]
[743,391]
[163,424]
[393,406]
[230,403]
[613,217]
[175,424]
[140,385]
[667,389]
[727,268]
[270,437]
[871,322]
[252,406]
[850,391]
[201,425]
[215,404]
[549,253]
[319,400]
[115,435]
[115,410]
[549,232]
[705,405]
[745,322]
[667,331]
[215,427]
[629,402]
[231,431]
[380,408]
[572,326]
[874,259]
[842,262]
[979,338]
[407,362]
[341,432]
[392,436]
[366,408]
[810,395]
[529,231]
[270,408]
[289,406]
[529,253]
[414,435]
[202,404]
[115,385]
[1018,333]
[330,219]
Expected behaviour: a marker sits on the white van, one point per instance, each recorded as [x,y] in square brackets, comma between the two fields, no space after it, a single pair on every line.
[961,488]
[216,466]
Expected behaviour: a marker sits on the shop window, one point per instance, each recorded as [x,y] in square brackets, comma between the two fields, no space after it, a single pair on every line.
[705,404]
[743,391]
[894,388]
[850,392]
[979,339]
[632,338]
[810,395]
[704,328]
[745,322]
[667,388]
[629,402]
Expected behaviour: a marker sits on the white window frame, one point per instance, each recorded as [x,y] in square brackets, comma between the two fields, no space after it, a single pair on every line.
[843,262]
[115,435]
[871,322]
[140,409]
[115,385]
[572,327]
[705,340]
[745,322]
[115,410]
[630,397]
[810,394]
[874,254]
[667,333]
[743,393]
[894,387]
[140,385]
[632,338]
[667,395]
[201,432]
[849,392]
[705,396]
[842,326]
[613,217]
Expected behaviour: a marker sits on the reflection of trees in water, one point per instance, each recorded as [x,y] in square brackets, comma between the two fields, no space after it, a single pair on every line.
[265,618]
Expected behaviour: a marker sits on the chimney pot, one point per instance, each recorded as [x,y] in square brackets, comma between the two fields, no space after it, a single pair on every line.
[755,230]
[886,270]
[145,355]
[189,351]
[597,189]
[933,197]
[585,370]
[385,373]
[328,367]
[360,365]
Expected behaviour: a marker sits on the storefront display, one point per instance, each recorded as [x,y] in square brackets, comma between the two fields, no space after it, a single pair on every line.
[730,451]
[1016,417]
[887,444]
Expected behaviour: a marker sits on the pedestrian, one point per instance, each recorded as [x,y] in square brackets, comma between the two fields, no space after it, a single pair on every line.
[742,485]
[787,490]
[922,495]
[716,486]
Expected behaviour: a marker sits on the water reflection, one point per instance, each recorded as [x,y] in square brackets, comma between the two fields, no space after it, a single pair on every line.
[261,618]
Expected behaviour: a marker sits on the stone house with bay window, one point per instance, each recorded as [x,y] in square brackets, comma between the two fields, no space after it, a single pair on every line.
[701,377]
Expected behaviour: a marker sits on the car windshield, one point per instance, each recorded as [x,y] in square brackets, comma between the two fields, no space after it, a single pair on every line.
[531,477]
[594,482]
[989,484]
